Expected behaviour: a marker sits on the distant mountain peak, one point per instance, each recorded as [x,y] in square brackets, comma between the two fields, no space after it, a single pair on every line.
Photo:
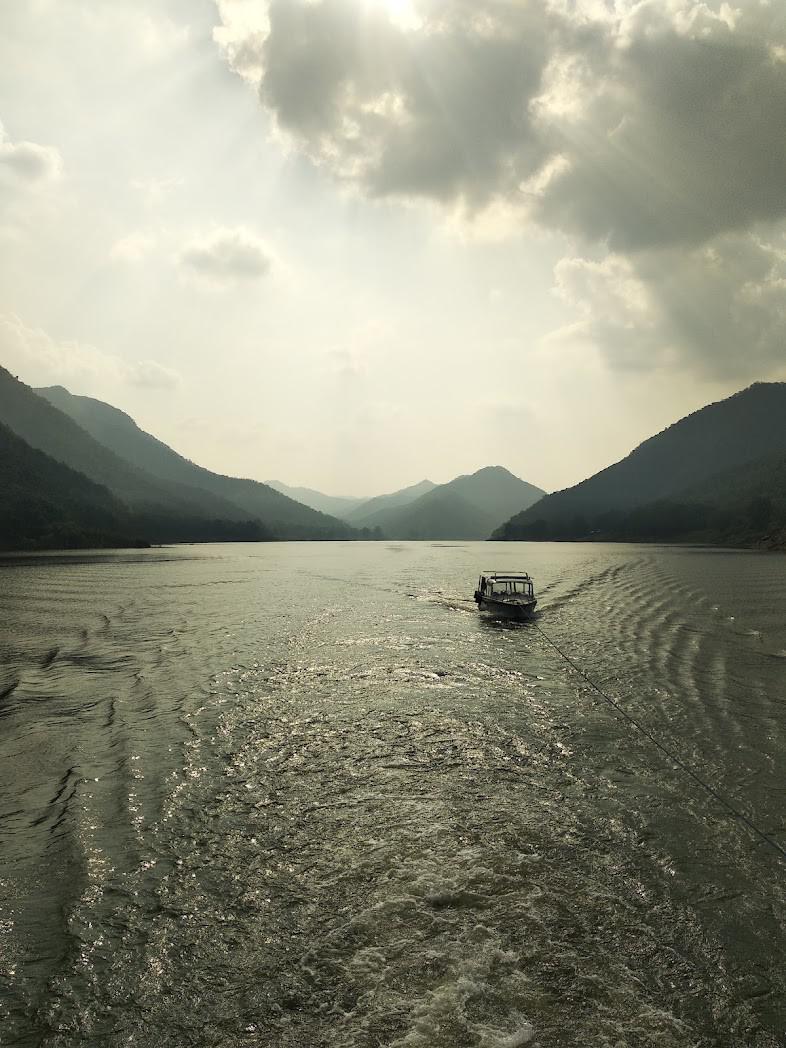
[500,470]
[467,507]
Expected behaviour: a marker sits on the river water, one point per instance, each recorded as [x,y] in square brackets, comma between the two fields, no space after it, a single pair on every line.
[301,795]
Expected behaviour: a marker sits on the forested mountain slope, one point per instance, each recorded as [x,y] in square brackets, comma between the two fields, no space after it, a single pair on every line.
[747,427]
[468,507]
[370,508]
[240,499]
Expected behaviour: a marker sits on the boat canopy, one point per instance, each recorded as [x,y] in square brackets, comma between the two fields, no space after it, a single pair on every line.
[504,576]
[505,583]
[506,592]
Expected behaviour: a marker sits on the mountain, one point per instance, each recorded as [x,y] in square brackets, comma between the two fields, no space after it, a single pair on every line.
[469,507]
[658,487]
[47,429]
[742,506]
[336,505]
[231,497]
[763,477]
[48,505]
[370,507]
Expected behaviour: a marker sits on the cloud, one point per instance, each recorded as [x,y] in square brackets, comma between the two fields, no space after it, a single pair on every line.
[652,133]
[682,134]
[148,374]
[618,314]
[28,162]
[656,122]
[227,256]
[440,112]
[41,360]
[720,308]
[32,352]
[241,36]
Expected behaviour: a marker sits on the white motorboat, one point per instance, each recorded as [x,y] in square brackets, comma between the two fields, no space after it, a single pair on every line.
[506,595]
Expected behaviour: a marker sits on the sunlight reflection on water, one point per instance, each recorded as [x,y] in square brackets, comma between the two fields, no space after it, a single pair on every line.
[300,794]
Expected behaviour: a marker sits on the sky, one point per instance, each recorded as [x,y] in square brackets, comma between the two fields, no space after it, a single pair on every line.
[350,244]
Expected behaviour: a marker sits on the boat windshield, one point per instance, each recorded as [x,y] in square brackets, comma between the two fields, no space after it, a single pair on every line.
[510,586]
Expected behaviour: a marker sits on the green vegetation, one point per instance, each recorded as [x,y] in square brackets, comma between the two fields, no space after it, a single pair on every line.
[47,505]
[44,427]
[76,472]
[209,494]
[63,488]
[141,491]
[717,476]
[754,522]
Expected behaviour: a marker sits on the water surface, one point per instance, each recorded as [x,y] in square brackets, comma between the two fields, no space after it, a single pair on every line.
[300,794]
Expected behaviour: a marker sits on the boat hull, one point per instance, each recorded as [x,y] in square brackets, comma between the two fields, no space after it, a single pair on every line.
[518,611]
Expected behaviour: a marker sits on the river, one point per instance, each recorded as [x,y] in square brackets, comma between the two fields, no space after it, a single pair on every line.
[301,795]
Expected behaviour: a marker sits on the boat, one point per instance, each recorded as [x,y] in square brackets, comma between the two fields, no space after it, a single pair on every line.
[506,595]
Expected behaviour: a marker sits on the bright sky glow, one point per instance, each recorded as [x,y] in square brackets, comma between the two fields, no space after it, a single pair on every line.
[402,12]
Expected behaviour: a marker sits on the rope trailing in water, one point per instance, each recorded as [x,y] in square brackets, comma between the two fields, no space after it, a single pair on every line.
[666,751]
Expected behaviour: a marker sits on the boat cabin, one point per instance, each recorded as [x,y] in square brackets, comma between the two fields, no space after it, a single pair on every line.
[510,584]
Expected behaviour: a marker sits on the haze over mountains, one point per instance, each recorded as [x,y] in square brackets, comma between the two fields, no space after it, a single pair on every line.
[76,471]
[337,505]
[716,475]
[155,494]
[467,507]
[382,503]
[234,498]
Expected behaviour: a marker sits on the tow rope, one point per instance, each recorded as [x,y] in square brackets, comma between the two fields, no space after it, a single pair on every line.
[666,751]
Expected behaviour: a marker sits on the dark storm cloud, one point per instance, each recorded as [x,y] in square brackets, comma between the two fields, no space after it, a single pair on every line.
[669,118]
[686,135]
[441,112]
[653,133]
